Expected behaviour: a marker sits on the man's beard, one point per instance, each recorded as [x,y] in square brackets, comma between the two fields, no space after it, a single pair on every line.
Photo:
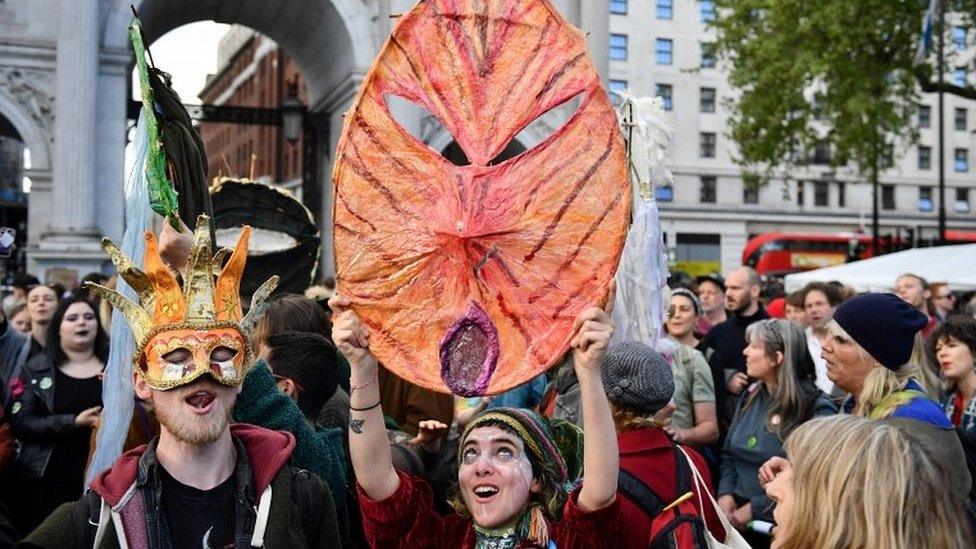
[193,429]
[740,307]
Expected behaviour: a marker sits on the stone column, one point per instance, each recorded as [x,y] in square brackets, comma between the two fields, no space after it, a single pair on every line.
[70,241]
[73,211]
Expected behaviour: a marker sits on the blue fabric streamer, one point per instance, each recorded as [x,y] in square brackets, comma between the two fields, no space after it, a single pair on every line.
[118,395]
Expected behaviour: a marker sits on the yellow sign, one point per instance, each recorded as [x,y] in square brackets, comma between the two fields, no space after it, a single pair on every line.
[808,260]
[696,268]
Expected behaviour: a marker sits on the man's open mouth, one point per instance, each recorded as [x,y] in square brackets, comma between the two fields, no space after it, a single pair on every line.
[200,400]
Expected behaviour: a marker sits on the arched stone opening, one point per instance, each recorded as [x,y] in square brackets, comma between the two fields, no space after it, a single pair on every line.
[332,42]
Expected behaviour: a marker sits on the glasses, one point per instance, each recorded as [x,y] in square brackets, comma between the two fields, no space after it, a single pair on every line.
[298,386]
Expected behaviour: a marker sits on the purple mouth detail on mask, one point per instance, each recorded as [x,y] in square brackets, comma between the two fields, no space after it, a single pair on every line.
[469,353]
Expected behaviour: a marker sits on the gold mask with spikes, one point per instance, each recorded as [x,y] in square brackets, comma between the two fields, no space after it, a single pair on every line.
[185,333]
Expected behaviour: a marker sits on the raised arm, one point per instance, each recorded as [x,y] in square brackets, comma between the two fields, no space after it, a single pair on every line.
[368,444]
[600,466]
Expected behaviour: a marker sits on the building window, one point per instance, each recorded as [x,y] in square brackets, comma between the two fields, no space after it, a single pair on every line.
[841,195]
[960,119]
[707,55]
[707,142]
[925,116]
[707,100]
[821,153]
[962,160]
[750,188]
[707,10]
[617,89]
[707,191]
[888,156]
[821,194]
[959,77]
[925,199]
[962,200]
[887,197]
[664,9]
[618,6]
[664,193]
[924,157]
[750,194]
[618,47]
[959,38]
[697,254]
[663,51]
[664,91]
[800,195]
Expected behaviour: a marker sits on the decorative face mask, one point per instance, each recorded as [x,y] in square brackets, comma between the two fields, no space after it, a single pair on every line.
[178,357]
[184,334]
[470,277]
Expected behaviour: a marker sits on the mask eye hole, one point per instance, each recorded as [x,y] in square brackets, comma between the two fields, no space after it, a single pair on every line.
[544,126]
[420,123]
[178,356]
[222,354]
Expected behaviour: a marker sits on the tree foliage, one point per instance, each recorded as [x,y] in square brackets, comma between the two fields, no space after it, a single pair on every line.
[807,71]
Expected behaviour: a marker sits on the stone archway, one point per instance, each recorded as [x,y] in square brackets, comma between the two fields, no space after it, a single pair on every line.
[333,42]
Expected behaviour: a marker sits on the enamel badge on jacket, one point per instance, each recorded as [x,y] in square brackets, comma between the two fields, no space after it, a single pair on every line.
[469,277]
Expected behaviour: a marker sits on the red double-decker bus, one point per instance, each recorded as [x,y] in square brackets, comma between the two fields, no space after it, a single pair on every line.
[777,254]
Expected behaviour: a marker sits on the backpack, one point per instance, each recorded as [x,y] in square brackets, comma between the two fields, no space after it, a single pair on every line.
[681,526]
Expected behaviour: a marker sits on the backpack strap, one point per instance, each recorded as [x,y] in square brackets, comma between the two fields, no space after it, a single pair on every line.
[682,473]
[88,519]
[308,496]
[639,493]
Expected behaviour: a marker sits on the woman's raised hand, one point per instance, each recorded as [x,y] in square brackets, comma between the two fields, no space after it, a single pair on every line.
[349,334]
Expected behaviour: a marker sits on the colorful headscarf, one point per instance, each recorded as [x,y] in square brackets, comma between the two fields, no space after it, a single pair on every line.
[555,448]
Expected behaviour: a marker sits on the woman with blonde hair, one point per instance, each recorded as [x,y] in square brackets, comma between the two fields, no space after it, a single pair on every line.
[868,484]
[867,349]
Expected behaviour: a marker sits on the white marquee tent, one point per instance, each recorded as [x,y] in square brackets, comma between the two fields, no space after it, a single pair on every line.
[955,265]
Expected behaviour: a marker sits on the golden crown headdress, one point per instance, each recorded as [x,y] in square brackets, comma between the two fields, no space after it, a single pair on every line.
[202,303]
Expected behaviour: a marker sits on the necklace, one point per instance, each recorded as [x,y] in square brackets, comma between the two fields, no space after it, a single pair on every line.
[502,538]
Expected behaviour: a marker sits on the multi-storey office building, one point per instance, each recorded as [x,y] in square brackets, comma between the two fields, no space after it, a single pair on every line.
[662,47]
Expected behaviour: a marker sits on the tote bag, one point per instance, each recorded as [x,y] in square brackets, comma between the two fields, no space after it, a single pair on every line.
[733,539]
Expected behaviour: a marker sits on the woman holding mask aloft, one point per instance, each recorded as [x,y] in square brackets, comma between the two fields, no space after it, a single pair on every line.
[513,478]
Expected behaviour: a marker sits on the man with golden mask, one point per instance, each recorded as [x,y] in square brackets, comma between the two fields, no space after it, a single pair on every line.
[202,481]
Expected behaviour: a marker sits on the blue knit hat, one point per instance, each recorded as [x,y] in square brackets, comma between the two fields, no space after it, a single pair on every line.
[884,324]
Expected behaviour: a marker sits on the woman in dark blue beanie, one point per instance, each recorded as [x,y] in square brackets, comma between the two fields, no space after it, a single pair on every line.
[867,350]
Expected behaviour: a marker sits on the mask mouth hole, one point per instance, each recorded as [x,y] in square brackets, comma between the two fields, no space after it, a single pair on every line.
[469,353]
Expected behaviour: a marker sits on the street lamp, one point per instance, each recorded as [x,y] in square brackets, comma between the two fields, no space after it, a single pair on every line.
[292,118]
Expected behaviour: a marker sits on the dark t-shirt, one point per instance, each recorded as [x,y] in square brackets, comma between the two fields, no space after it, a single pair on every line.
[199,518]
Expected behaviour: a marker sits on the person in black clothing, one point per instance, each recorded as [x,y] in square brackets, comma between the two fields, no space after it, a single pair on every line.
[53,416]
[742,288]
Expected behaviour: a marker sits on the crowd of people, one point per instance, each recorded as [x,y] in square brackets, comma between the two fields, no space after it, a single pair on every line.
[821,418]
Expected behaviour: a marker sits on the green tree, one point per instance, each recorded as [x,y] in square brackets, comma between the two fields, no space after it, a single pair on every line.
[805,72]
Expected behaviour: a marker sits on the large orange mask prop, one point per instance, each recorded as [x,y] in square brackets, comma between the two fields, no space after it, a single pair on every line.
[470,277]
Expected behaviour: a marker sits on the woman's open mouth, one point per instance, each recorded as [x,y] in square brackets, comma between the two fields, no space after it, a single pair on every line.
[484,492]
[200,401]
